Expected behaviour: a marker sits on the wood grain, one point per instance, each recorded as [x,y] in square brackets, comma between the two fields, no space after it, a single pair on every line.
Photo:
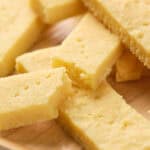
[48,135]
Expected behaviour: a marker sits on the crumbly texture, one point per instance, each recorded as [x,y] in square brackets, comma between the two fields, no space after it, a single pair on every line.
[28,98]
[130,19]
[52,11]
[128,67]
[34,61]
[88,53]
[102,120]
[19,29]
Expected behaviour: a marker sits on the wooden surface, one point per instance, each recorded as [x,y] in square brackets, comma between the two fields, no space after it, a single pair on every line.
[48,135]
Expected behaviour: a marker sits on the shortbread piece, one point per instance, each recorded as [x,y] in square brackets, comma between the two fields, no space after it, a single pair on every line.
[32,97]
[41,58]
[89,52]
[130,19]
[52,11]
[102,120]
[19,29]
[128,67]
[34,61]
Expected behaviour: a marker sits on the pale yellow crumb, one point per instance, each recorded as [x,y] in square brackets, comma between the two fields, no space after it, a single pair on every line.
[128,67]
[102,120]
[28,98]
[130,19]
[52,11]
[89,52]
[19,29]
[37,60]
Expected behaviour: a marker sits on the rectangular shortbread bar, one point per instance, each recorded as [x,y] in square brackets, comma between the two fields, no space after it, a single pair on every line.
[130,19]
[128,67]
[102,120]
[31,97]
[34,61]
[52,11]
[89,52]
[19,29]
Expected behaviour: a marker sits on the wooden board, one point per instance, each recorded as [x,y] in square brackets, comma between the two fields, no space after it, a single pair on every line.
[48,135]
